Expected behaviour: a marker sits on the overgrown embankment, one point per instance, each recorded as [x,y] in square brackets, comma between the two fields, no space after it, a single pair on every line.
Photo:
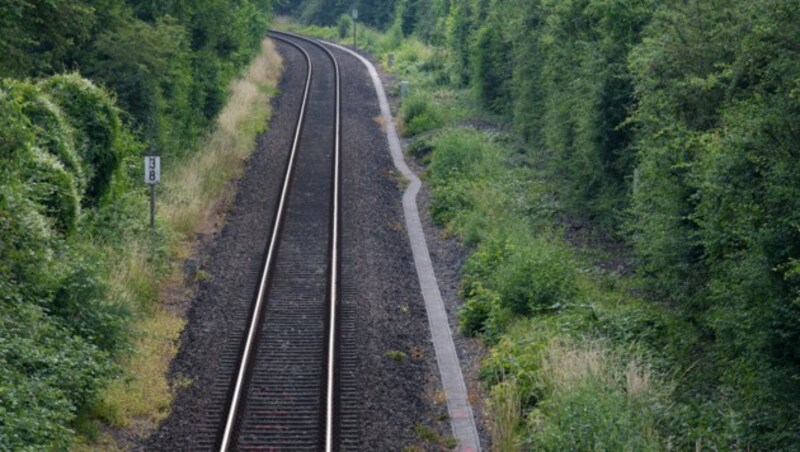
[79,270]
[626,174]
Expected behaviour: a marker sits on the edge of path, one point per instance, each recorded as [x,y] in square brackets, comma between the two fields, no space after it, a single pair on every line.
[462,419]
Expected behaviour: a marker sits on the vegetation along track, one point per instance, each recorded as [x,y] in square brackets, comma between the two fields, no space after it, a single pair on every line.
[285,391]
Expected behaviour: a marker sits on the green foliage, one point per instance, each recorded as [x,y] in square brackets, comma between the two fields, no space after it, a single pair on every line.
[493,68]
[714,211]
[515,276]
[40,36]
[46,375]
[69,181]
[95,119]
[419,115]
[457,42]
[344,26]
[47,182]
[53,132]
[595,415]
[668,125]
[536,277]
[81,301]
[149,69]
[376,13]
[54,189]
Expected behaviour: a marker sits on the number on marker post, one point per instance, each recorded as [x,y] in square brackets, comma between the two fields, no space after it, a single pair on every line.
[152,169]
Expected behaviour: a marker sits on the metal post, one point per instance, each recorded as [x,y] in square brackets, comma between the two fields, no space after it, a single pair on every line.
[152,207]
[152,175]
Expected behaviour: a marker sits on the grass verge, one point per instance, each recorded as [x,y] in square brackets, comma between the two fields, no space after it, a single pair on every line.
[192,200]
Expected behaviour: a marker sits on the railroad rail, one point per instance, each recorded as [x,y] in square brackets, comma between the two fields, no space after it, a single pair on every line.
[284,394]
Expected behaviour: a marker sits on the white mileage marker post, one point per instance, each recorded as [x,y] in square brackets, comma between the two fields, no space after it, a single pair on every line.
[152,176]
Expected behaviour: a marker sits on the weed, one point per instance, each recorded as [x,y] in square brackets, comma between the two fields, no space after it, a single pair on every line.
[429,435]
[202,275]
[397,355]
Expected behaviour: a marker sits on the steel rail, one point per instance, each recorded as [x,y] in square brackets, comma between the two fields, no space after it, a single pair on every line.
[334,283]
[333,286]
[251,334]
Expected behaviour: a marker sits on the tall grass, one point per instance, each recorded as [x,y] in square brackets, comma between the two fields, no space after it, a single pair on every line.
[197,187]
[194,195]
[505,407]
[595,397]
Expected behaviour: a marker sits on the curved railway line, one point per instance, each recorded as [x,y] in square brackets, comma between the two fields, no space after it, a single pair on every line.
[288,345]
[284,393]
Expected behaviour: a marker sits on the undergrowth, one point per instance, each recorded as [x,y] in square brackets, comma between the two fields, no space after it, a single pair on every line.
[583,356]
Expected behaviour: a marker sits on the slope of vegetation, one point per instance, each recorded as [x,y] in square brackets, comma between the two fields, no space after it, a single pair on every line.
[664,129]
[87,86]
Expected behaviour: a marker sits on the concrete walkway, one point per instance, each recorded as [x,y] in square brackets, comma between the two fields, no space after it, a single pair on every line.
[461,417]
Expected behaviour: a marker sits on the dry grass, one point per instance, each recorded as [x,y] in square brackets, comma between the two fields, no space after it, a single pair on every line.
[142,399]
[197,188]
[567,366]
[194,197]
[506,413]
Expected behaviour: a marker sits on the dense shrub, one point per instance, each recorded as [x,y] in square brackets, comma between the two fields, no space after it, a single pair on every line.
[95,119]
[28,261]
[717,192]
[54,188]
[419,115]
[536,277]
[148,67]
[53,132]
[46,376]
[493,68]
[70,190]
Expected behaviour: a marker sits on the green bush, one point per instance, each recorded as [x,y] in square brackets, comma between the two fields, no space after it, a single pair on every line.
[53,132]
[54,188]
[46,377]
[16,136]
[419,115]
[81,300]
[344,26]
[95,119]
[37,158]
[26,257]
[474,316]
[460,153]
[492,68]
[536,277]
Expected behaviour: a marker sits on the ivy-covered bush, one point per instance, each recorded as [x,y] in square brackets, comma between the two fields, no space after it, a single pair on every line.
[95,119]
[53,133]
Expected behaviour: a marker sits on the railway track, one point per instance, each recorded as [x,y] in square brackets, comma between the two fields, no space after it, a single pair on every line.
[283,390]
